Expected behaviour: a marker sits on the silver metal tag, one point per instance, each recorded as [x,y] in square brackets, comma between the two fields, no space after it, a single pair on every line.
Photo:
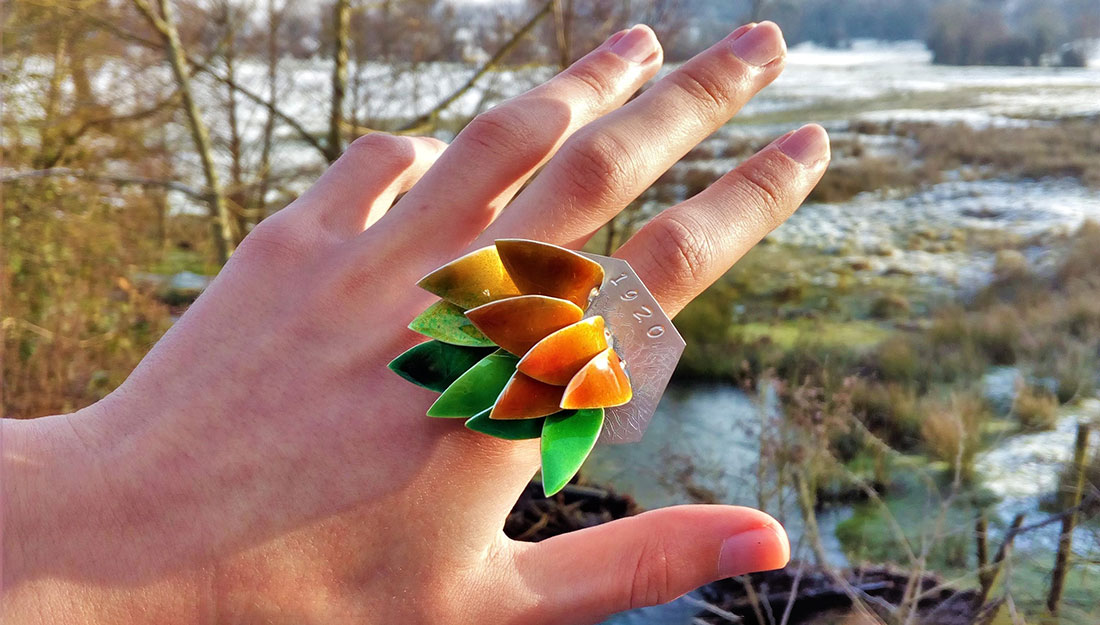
[644,338]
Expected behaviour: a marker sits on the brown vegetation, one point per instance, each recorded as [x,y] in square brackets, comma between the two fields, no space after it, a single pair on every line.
[1035,408]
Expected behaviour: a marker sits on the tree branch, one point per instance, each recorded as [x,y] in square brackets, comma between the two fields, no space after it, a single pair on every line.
[341,24]
[65,172]
[425,121]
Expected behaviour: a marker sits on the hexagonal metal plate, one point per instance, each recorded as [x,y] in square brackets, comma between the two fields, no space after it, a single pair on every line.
[644,338]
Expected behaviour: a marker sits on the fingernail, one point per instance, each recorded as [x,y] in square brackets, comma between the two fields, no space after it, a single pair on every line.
[762,549]
[808,145]
[638,44]
[760,44]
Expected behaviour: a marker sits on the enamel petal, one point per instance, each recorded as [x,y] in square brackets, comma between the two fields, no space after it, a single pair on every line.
[526,398]
[477,389]
[513,430]
[435,365]
[472,280]
[601,383]
[517,323]
[567,439]
[446,322]
[558,357]
[543,269]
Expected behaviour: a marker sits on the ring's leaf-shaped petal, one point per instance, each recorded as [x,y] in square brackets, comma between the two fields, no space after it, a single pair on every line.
[513,430]
[517,323]
[446,322]
[543,269]
[472,280]
[526,398]
[601,383]
[567,439]
[558,357]
[436,365]
[477,389]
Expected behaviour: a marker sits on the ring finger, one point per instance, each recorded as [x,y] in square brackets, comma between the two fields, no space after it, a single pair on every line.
[689,246]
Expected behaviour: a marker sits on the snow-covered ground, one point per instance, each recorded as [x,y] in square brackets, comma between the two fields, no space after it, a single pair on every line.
[871,81]
[880,226]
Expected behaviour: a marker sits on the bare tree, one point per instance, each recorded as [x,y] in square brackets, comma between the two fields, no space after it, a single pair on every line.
[425,121]
[229,19]
[165,25]
[341,26]
[274,21]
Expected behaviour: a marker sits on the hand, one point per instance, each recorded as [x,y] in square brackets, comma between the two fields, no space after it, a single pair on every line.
[262,464]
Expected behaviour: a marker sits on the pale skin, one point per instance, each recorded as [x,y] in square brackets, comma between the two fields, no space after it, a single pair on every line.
[261,464]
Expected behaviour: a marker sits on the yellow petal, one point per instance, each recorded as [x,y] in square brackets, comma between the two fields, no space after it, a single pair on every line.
[472,280]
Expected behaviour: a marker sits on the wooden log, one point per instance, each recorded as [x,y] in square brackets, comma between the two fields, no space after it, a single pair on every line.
[1069,522]
[981,535]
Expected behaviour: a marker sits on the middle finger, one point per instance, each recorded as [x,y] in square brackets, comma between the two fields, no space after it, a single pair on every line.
[612,160]
[497,151]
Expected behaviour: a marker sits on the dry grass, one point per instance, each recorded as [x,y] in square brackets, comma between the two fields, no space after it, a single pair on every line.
[74,324]
[847,178]
[952,429]
[1035,408]
[1064,149]
[890,410]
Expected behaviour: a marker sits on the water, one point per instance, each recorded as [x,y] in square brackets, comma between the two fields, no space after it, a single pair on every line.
[704,444]
[1023,469]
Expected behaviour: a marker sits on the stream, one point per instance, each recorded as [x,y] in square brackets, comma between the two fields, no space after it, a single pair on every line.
[704,444]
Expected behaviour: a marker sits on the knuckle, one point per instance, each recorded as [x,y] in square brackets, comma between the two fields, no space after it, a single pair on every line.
[276,238]
[651,582]
[680,249]
[711,91]
[596,164]
[501,129]
[382,151]
[593,78]
[768,196]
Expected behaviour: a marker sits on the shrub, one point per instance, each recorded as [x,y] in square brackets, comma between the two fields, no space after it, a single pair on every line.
[897,360]
[889,306]
[1035,408]
[1083,260]
[998,333]
[889,410]
[1010,265]
[952,429]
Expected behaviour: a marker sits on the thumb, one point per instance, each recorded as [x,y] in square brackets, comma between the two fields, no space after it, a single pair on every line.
[649,559]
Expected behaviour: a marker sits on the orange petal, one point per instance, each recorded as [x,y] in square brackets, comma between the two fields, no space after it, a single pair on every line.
[601,383]
[471,280]
[558,357]
[526,398]
[517,323]
[543,269]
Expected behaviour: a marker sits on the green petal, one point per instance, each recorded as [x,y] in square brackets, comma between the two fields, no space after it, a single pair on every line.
[446,322]
[510,429]
[477,389]
[567,439]
[435,365]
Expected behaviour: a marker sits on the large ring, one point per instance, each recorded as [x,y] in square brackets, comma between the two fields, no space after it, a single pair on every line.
[531,340]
